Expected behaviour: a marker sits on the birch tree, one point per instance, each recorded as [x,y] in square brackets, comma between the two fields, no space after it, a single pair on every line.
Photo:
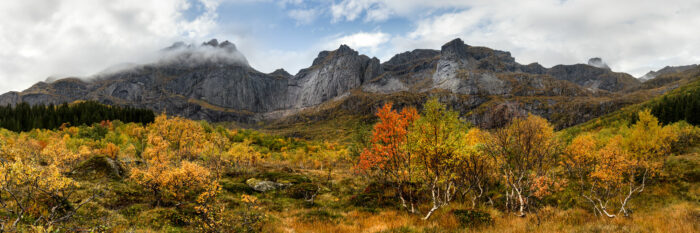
[525,151]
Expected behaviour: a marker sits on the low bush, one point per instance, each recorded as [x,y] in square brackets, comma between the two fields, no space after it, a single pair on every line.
[473,218]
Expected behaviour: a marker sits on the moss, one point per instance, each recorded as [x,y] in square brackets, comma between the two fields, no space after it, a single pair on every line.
[160,218]
[98,167]
[236,187]
[121,194]
[133,210]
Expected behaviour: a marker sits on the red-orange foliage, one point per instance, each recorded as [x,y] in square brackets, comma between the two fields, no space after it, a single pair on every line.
[388,155]
[388,139]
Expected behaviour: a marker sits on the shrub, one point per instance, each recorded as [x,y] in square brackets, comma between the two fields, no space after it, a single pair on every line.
[375,195]
[304,190]
[473,218]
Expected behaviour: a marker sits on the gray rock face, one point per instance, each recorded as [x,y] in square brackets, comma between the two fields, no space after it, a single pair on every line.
[211,88]
[594,78]
[332,74]
[214,82]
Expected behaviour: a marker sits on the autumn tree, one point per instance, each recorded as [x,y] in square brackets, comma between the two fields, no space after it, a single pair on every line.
[437,141]
[388,154]
[474,170]
[525,151]
[169,170]
[33,185]
[329,158]
[608,173]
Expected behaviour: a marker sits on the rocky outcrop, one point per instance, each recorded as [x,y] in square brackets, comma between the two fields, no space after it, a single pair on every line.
[594,78]
[264,185]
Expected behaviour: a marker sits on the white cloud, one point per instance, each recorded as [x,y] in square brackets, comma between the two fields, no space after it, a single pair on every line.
[303,16]
[380,10]
[363,41]
[41,38]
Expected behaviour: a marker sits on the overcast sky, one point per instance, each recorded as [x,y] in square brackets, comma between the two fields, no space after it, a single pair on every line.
[42,38]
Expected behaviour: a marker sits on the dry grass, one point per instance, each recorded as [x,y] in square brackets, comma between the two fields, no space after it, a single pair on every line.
[681,217]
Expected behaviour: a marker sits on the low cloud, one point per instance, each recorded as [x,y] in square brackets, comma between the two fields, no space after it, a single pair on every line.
[42,38]
[365,41]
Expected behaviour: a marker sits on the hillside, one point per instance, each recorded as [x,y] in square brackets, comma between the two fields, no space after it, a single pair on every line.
[674,105]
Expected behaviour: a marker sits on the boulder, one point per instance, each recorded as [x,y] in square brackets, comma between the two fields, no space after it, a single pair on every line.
[264,185]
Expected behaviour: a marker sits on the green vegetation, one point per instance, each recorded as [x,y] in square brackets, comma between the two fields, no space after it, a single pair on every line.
[680,104]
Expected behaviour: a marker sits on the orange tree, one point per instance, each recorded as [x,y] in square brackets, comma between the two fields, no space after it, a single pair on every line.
[388,155]
[525,151]
[609,173]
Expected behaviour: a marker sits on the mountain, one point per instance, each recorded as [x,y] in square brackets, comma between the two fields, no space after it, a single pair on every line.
[213,81]
[666,70]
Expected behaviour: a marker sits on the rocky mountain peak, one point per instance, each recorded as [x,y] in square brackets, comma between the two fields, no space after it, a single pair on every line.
[666,70]
[454,49]
[212,42]
[343,50]
[280,73]
[212,52]
[598,62]
[410,56]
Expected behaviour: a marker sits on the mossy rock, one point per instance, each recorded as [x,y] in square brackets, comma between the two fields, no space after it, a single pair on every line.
[264,185]
[283,177]
[99,167]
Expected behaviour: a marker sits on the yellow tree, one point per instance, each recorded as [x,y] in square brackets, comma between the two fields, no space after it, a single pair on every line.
[474,169]
[32,184]
[169,170]
[610,173]
[525,151]
[437,139]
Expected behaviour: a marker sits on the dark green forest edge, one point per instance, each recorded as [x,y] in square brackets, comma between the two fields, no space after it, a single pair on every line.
[680,104]
[24,117]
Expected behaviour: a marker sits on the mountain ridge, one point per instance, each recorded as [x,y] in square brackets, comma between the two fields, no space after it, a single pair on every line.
[211,82]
